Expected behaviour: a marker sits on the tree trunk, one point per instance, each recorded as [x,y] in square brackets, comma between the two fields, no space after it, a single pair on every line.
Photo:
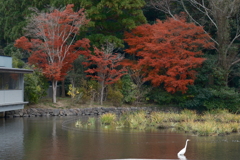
[102,92]
[223,38]
[54,89]
[63,89]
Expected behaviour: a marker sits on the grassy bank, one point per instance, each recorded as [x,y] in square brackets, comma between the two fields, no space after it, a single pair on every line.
[219,122]
[212,123]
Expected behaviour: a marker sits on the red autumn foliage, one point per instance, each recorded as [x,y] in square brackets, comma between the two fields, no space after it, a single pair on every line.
[52,44]
[107,66]
[167,52]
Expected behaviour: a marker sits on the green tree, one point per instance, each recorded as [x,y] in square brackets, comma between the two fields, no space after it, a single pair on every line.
[12,19]
[110,18]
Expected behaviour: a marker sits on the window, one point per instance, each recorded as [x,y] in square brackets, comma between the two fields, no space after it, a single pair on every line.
[10,81]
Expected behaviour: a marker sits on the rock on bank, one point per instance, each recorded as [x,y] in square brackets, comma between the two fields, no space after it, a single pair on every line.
[34,112]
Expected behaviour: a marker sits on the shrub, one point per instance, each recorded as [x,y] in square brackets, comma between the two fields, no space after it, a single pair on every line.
[108,118]
[128,89]
[162,97]
[75,94]
[195,98]
[223,98]
[137,120]
[133,91]
[88,90]
[114,95]
[35,86]
[212,99]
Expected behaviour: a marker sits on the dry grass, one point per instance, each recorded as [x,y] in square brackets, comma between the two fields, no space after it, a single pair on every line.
[45,103]
[108,118]
[209,124]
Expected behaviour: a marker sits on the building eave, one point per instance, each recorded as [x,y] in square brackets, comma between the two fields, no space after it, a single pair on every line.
[14,70]
[15,103]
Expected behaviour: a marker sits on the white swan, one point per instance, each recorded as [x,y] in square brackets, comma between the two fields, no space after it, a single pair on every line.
[183,151]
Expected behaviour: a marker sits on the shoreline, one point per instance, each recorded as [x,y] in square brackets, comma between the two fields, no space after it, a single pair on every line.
[39,112]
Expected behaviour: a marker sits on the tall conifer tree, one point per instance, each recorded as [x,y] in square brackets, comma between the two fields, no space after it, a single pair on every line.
[110,18]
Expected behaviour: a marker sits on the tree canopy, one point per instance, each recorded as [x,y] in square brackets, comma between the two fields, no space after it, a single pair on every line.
[107,67]
[168,51]
[13,15]
[109,19]
[52,42]
[153,55]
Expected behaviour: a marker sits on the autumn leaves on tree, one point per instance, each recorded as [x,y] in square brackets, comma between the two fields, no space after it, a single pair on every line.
[106,66]
[52,42]
[166,52]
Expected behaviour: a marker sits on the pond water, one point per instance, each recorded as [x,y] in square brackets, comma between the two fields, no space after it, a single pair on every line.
[39,138]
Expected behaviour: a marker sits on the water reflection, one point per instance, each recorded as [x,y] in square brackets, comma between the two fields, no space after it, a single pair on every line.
[11,139]
[44,138]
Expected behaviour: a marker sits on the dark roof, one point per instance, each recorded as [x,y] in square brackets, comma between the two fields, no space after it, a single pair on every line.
[14,70]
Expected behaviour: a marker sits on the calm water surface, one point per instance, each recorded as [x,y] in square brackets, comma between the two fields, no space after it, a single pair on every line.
[44,138]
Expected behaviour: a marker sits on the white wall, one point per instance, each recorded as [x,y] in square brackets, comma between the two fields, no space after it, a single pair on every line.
[11,96]
[2,97]
[5,61]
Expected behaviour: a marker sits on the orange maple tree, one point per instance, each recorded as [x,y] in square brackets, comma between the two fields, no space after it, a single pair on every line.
[52,42]
[167,52]
[107,67]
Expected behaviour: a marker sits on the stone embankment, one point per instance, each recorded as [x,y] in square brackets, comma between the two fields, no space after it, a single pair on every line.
[34,112]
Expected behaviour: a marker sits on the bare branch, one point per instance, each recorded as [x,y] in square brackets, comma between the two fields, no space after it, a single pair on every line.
[196,22]
[51,29]
[163,5]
